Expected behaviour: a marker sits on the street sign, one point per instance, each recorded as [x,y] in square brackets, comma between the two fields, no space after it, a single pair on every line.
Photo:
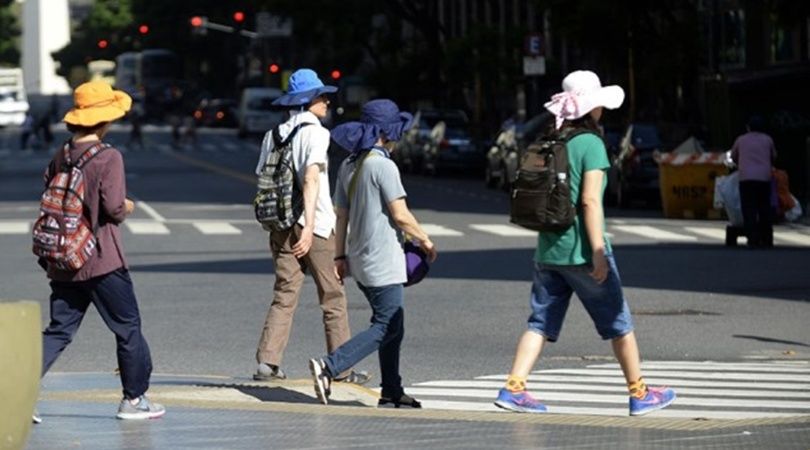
[534,65]
[268,25]
[534,45]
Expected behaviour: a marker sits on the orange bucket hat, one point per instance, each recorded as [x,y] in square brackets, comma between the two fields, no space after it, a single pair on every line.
[95,102]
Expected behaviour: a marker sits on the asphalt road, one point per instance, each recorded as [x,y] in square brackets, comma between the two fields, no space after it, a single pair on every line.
[204,276]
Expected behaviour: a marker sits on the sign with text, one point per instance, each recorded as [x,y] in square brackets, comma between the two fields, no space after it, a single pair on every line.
[534,45]
[268,25]
[534,65]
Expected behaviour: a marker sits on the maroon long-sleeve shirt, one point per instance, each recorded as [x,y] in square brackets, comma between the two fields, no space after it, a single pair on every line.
[105,192]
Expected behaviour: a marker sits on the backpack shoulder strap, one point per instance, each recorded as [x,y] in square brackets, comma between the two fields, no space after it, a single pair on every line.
[278,142]
[90,153]
[355,176]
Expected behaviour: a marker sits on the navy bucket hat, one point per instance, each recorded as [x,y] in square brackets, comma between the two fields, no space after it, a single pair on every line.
[379,118]
[305,86]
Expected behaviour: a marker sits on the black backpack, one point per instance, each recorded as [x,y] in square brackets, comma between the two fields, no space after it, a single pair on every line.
[541,195]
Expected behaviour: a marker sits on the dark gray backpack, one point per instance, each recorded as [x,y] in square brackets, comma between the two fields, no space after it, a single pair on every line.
[541,196]
[279,200]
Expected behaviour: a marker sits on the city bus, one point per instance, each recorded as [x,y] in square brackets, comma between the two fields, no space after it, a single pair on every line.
[151,77]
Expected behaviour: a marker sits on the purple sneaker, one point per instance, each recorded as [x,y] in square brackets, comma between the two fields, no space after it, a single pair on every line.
[656,398]
[519,401]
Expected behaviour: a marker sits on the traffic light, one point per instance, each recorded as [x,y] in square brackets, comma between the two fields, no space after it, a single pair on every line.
[198,24]
[103,43]
[239,17]
[336,74]
[273,68]
[143,29]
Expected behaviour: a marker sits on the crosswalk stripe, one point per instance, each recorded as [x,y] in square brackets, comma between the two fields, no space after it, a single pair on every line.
[713,401]
[654,233]
[146,227]
[713,233]
[16,227]
[216,228]
[591,411]
[616,389]
[503,230]
[738,367]
[619,380]
[687,375]
[433,229]
[792,237]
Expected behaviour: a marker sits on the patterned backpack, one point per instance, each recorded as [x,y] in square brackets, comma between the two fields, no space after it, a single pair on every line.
[62,234]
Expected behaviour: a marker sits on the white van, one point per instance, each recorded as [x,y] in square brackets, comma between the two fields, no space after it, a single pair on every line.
[13,101]
[256,112]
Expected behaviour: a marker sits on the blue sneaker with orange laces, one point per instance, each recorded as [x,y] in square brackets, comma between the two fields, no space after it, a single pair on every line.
[519,401]
[656,398]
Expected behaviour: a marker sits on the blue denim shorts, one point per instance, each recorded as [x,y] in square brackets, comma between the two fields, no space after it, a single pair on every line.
[551,293]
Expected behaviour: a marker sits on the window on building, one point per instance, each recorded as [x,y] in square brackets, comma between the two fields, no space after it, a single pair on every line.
[732,37]
[783,38]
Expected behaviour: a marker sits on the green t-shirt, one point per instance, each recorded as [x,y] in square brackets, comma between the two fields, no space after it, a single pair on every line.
[571,247]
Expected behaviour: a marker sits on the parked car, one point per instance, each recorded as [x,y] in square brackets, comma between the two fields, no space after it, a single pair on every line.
[446,143]
[216,112]
[635,172]
[256,112]
[504,156]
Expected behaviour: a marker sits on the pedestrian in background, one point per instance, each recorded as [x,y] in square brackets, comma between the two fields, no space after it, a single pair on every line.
[310,244]
[370,200]
[580,260]
[754,153]
[26,130]
[104,278]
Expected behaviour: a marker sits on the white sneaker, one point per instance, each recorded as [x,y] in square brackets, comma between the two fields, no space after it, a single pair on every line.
[144,409]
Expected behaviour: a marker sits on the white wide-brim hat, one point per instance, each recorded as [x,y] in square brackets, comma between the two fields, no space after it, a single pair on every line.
[582,93]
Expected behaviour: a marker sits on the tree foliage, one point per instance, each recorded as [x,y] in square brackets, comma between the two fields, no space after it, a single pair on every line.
[9,34]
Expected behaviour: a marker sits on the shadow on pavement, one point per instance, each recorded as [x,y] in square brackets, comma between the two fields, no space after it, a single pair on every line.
[676,267]
[767,339]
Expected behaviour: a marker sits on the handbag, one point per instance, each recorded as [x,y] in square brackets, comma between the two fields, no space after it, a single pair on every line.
[416,260]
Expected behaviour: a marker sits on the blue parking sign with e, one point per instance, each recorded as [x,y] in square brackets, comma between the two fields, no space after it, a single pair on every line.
[534,45]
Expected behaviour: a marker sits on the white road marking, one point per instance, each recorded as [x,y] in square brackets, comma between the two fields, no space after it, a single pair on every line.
[216,228]
[151,211]
[438,230]
[504,230]
[222,207]
[15,227]
[146,227]
[688,375]
[792,237]
[654,233]
[674,382]
[786,366]
[712,233]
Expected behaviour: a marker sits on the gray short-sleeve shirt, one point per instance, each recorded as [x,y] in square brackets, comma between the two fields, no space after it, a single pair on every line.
[374,244]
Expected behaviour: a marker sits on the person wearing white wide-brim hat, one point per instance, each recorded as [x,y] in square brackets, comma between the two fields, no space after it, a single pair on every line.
[580,259]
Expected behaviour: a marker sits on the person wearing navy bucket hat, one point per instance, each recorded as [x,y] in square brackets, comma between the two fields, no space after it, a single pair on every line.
[370,199]
[309,245]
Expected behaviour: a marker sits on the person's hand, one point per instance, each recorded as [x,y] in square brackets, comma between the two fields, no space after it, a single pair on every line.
[430,249]
[341,269]
[301,248]
[600,266]
[129,206]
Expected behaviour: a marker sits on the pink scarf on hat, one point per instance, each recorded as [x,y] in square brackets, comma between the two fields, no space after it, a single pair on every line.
[564,106]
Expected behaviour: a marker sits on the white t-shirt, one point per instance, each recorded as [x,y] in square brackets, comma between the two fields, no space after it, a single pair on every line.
[309,147]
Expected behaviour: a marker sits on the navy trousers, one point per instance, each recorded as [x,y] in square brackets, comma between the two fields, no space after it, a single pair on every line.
[114,299]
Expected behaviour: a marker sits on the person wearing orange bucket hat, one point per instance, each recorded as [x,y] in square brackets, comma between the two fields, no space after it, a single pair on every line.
[88,264]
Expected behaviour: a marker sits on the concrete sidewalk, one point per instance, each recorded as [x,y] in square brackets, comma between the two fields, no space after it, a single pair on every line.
[78,411]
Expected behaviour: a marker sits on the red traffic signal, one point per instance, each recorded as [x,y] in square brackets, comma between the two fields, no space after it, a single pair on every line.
[273,68]
[102,43]
[239,16]
[335,74]
[143,29]
[196,21]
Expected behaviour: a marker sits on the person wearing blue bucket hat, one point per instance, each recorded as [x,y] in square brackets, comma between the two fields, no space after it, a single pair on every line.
[370,199]
[309,245]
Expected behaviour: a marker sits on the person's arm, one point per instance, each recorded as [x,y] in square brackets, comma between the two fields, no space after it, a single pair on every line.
[311,188]
[341,226]
[112,195]
[593,216]
[407,222]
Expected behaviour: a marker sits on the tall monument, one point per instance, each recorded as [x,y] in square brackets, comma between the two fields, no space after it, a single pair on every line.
[46,28]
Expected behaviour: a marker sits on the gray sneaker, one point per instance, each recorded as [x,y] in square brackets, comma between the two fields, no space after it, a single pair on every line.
[144,409]
[269,372]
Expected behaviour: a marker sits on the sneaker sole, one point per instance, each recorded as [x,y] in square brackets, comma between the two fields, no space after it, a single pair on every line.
[320,389]
[140,416]
[653,408]
[268,378]
[515,408]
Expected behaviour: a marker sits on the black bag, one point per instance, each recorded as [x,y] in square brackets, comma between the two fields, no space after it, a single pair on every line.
[541,196]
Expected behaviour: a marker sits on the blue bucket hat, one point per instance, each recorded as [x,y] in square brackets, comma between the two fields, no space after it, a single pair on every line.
[305,86]
[379,118]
